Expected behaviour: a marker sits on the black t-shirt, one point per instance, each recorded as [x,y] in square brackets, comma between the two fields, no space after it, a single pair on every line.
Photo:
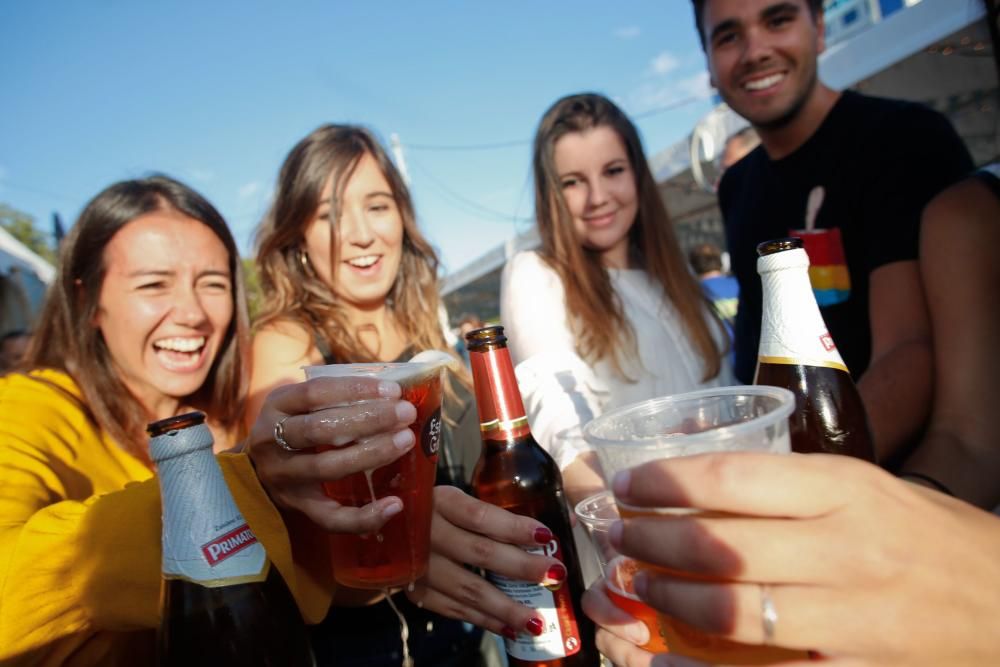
[879,161]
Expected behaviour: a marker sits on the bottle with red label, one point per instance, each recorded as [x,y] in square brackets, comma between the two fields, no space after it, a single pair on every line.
[222,602]
[515,473]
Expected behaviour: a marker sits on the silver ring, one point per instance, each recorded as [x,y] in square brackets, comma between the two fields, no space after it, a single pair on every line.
[279,435]
[768,613]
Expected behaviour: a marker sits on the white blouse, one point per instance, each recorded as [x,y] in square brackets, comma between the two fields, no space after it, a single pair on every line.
[561,391]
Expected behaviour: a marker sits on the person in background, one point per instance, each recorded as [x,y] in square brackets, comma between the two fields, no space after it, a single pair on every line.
[868,165]
[146,319]
[466,323]
[606,311]
[348,277]
[13,346]
[720,288]
[737,145]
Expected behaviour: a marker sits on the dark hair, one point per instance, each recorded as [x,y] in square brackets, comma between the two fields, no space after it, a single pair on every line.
[705,257]
[66,340]
[815,9]
[594,312]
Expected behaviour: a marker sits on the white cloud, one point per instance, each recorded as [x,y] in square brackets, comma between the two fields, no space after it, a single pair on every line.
[248,190]
[660,94]
[202,175]
[664,63]
[627,32]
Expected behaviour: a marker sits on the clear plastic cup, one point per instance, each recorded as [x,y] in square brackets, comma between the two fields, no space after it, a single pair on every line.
[397,554]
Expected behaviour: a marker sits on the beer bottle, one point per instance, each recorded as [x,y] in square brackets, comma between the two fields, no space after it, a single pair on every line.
[797,352]
[222,603]
[515,473]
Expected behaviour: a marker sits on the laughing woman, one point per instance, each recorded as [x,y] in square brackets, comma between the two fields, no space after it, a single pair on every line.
[147,320]
[348,277]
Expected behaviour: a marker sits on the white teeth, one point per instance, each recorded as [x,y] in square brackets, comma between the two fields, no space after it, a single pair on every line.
[363,262]
[766,82]
[180,344]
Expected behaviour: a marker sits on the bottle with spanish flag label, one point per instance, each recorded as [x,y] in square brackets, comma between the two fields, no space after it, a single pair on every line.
[797,352]
[515,473]
[222,603]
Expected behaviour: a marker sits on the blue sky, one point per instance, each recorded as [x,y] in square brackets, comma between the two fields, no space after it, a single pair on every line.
[216,93]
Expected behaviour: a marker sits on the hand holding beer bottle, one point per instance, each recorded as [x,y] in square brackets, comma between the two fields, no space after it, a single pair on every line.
[515,473]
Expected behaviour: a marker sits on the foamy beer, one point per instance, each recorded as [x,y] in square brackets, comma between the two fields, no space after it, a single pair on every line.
[397,553]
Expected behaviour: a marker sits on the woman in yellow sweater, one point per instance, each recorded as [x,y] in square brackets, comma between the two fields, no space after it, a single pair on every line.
[147,319]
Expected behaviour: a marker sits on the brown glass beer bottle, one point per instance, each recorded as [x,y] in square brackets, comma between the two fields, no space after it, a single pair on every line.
[515,473]
[222,603]
[797,352]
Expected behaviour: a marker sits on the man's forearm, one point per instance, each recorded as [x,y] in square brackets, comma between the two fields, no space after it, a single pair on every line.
[896,391]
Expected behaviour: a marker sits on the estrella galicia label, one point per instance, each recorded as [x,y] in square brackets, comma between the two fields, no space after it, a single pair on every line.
[430,438]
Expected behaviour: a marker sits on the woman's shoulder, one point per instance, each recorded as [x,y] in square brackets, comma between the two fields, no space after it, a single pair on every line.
[42,401]
[529,270]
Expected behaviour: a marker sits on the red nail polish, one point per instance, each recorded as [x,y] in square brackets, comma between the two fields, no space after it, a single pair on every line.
[535,626]
[509,633]
[556,573]
[543,535]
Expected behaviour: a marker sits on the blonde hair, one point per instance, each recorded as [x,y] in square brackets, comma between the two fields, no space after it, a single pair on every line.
[594,310]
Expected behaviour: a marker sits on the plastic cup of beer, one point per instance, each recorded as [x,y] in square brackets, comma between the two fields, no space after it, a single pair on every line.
[397,553]
[597,513]
[744,418]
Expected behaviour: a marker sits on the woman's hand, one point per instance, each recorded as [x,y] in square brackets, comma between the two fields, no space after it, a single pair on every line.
[466,531]
[860,566]
[364,413]
[619,635]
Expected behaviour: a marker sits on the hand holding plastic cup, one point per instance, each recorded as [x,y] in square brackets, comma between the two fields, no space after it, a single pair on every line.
[597,513]
[725,419]
[397,554]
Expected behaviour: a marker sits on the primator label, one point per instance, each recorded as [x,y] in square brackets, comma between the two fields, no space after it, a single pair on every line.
[561,636]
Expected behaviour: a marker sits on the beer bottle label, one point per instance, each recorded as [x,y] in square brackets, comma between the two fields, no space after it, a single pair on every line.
[792,329]
[561,636]
[206,540]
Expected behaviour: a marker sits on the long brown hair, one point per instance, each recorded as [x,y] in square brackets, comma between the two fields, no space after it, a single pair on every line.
[293,291]
[594,311]
[65,338]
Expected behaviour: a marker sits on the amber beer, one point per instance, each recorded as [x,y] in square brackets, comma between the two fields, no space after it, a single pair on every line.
[797,352]
[222,603]
[515,473]
[396,554]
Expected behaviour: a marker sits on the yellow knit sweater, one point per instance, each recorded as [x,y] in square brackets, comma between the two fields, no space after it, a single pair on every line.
[80,534]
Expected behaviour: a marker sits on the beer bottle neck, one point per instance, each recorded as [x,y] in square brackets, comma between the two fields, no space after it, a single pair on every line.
[792,327]
[501,410]
[205,537]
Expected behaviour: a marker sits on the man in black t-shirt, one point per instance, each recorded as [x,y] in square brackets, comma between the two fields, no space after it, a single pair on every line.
[869,165]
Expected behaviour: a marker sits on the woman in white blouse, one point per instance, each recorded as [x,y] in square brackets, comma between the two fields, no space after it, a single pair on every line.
[605,312]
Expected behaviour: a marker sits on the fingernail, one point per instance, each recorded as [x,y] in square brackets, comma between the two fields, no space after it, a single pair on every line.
[542,535]
[615,534]
[389,389]
[535,626]
[405,412]
[555,574]
[403,439]
[509,633]
[621,482]
[392,509]
[640,582]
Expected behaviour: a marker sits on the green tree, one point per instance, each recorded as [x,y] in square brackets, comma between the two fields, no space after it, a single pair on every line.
[253,286]
[22,227]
